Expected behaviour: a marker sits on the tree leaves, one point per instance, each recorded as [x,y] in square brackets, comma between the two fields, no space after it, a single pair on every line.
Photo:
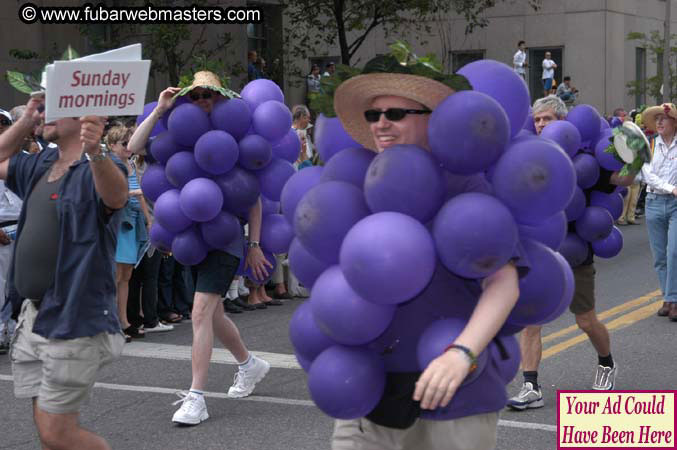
[21,82]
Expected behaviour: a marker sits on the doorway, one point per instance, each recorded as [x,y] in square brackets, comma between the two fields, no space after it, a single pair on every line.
[535,59]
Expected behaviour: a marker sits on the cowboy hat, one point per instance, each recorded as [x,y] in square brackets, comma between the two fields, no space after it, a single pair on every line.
[649,114]
[354,96]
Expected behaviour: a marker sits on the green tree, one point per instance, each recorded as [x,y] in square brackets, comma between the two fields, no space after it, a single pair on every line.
[654,45]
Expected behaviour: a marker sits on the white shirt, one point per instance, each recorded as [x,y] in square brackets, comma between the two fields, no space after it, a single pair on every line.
[10,204]
[518,61]
[660,174]
[548,69]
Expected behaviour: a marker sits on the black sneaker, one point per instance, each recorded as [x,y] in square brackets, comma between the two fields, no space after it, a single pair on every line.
[243,305]
[230,308]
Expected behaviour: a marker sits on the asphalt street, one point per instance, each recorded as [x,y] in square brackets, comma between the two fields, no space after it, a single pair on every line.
[132,403]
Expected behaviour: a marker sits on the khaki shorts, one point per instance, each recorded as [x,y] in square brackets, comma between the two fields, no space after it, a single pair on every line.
[60,373]
[472,432]
[584,293]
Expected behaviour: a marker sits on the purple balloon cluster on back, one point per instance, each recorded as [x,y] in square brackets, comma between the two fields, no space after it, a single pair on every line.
[212,168]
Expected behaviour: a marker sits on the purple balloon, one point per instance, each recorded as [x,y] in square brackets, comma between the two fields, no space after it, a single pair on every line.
[529,124]
[271,259]
[240,189]
[324,216]
[346,382]
[306,337]
[468,131]
[574,250]
[342,314]
[168,212]
[273,178]
[163,147]
[607,160]
[542,289]
[272,120]
[297,185]
[259,91]
[615,122]
[154,182]
[147,109]
[405,179]
[269,206]
[255,152]
[201,200]
[161,238]
[216,152]
[621,190]
[475,235]
[586,119]
[289,147]
[550,232]
[565,134]
[276,233]
[221,230]
[611,202]
[304,362]
[576,206]
[331,138]
[232,116]
[506,368]
[181,168]
[609,246]
[349,165]
[596,223]
[569,289]
[388,257]
[587,170]
[304,265]
[188,248]
[603,124]
[178,102]
[500,82]
[437,337]
[187,123]
[535,179]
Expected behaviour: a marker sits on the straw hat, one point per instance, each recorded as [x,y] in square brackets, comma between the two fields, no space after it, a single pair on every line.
[205,79]
[649,114]
[354,96]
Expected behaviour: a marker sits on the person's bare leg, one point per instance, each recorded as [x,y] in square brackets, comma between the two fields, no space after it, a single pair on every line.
[204,305]
[63,432]
[531,348]
[254,297]
[226,332]
[263,294]
[596,331]
[123,273]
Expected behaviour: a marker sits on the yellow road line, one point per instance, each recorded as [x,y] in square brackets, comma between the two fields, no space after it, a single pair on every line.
[605,314]
[619,322]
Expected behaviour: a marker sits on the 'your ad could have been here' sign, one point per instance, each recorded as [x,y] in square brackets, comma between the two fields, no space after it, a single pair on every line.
[616,419]
[102,88]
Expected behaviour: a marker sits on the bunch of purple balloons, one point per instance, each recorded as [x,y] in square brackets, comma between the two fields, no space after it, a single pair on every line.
[212,168]
[385,241]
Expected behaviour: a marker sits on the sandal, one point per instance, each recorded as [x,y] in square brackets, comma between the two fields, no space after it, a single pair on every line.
[134,332]
[173,318]
[274,302]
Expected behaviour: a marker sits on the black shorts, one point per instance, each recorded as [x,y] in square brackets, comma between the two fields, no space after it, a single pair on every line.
[215,273]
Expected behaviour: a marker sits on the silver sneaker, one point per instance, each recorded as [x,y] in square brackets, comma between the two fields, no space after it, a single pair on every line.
[193,409]
[528,397]
[605,378]
[245,380]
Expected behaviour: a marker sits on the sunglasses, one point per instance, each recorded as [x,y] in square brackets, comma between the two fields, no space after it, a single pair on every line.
[194,96]
[5,122]
[124,143]
[41,108]
[392,114]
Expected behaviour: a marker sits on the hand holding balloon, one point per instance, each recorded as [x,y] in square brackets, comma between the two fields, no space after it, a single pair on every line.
[166,100]
[438,383]
[258,263]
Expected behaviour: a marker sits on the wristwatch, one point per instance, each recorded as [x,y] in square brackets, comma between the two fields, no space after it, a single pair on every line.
[98,157]
[253,244]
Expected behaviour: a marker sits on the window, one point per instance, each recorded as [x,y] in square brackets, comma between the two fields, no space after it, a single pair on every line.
[640,76]
[462,57]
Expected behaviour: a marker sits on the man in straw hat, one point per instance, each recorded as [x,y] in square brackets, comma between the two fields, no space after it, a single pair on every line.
[660,175]
[213,276]
[382,110]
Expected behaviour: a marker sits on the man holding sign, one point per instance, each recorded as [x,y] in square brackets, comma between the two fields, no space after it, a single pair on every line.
[61,281]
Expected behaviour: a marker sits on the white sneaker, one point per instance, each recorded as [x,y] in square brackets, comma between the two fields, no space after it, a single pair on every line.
[159,327]
[192,411]
[232,294]
[245,379]
[242,290]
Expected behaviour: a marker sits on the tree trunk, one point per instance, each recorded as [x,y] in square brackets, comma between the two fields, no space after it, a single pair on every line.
[341,29]
[172,67]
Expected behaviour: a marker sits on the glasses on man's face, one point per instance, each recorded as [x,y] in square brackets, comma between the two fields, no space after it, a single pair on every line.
[195,96]
[5,122]
[124,143]
[392,114]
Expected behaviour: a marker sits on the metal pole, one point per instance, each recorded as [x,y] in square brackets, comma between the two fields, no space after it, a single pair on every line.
[667,85]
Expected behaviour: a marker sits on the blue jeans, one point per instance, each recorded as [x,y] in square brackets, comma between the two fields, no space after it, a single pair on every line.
[661,220]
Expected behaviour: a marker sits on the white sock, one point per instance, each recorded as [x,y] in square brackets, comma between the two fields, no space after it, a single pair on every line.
[248,363]
[197,392]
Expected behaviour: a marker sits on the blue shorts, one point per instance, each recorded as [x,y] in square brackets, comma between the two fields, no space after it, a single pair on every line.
[547,84]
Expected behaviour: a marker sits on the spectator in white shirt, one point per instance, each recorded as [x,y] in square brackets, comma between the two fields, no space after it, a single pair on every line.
[519,60]
[549,67]
[660,175]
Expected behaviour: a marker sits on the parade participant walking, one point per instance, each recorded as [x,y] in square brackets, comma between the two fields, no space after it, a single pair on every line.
[660,175]
[380,111]
[213,276]
[62,278]
[547,110]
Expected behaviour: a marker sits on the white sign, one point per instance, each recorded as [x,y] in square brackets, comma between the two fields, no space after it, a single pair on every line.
[108,84]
